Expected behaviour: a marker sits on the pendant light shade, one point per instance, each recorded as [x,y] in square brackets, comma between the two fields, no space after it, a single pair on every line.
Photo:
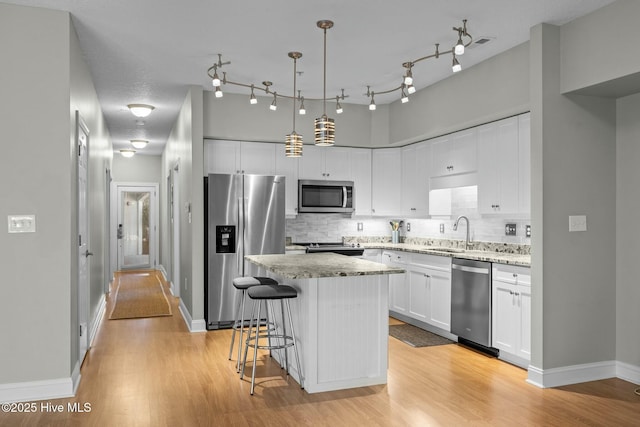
[324,126]
[293,141]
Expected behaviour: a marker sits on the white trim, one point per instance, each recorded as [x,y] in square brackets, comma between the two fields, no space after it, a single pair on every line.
[628,372]
[97,321]
[76,377]
[198,325]
[556,377]
[37,390]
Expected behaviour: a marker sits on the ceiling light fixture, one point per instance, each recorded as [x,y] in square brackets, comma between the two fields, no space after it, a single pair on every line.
[252,99]
[139,143]
[127,153]
[293,142]
[324,127]
[140,110]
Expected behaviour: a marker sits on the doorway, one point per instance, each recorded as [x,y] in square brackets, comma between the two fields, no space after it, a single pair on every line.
[136,226]
[83,254]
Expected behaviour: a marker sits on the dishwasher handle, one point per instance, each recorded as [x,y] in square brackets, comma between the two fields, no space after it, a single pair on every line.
[468,269]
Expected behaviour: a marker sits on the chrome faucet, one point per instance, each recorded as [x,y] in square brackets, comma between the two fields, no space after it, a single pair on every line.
[455,227]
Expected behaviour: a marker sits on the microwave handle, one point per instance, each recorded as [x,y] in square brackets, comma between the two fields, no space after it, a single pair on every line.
[344,197]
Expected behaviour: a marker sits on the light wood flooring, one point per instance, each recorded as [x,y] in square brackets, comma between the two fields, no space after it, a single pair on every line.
[153,372]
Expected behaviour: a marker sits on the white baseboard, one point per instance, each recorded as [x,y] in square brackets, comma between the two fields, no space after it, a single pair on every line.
[37,390]
[198,325]
[556,377]
[76,377]
[95,326]
[628,372]
[163,271]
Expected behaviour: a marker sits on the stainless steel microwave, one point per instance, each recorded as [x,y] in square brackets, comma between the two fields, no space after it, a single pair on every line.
[315,196]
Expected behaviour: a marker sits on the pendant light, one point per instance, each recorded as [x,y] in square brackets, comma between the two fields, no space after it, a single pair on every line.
[324,126]
[293,142]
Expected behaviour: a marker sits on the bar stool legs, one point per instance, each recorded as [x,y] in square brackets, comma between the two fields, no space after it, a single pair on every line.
[276,341]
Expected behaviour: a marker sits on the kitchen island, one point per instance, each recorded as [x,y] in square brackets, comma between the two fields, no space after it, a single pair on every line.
[341,317]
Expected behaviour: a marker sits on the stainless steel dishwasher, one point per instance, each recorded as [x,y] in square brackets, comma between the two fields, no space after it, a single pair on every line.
[471,303]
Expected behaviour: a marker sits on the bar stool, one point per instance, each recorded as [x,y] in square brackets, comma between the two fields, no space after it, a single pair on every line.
[242,284]
[269,293]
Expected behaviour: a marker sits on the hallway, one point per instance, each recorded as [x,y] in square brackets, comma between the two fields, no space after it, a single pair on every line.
[153,372]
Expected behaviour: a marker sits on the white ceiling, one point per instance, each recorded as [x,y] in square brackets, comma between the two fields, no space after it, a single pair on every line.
[149,51]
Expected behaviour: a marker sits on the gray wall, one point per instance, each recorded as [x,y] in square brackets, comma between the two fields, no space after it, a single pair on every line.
[139,168]
[185,149]
[37,176]
[491,90]
[628,231]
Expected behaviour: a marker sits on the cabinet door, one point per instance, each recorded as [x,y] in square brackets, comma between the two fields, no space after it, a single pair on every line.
[524,163]
[418,294]
[439,299]
[361,177]
[505,326]
[222,156]
[288,166]
[463,153]
[386,182]
[440,157]
[416,160]
[487,168]
[524,344]
[258,158]
[337,163]
[398,293]
[311,164]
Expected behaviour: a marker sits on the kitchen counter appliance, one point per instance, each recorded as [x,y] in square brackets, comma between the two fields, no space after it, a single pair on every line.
[245,215]
[471,303]
[317,196]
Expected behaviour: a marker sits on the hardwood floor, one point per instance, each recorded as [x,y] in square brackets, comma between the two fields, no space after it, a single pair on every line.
[153,372]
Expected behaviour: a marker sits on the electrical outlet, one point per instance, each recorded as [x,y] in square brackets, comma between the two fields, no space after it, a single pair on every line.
[408,226]
[510,229]
[527,231]
[442,228]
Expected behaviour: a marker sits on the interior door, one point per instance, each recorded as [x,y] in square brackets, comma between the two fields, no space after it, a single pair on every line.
[82,140]
[136,229]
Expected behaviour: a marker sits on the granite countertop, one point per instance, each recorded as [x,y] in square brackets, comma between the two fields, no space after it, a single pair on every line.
[478,255]
[295,248]
[308,266]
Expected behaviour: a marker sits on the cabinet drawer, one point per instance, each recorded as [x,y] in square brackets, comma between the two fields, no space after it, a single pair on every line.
[512,274]
[441,263]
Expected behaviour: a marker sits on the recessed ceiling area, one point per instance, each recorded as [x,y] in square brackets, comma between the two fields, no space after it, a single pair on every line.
[149,52]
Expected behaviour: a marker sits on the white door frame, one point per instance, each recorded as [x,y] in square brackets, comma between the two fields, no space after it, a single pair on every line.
[116,187]
[174,220]
[83,227]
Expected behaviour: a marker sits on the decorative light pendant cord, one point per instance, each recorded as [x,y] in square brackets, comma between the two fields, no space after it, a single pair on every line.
[324,81]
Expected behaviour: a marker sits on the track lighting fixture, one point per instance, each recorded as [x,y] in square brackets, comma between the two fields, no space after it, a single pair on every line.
[455,66]
[324,127]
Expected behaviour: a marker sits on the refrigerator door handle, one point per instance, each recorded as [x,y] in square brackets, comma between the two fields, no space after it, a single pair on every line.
[240,231]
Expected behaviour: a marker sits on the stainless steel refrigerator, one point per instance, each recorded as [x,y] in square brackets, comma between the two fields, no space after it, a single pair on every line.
[245,216]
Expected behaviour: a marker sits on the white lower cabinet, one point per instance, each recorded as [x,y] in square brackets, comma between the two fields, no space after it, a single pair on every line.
[422,293]
[511,313]
[372,255]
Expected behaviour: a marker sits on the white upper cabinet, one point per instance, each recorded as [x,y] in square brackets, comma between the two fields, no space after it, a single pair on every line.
[524,163]
[504,167]
[235,157]
[288,166]
[498,167]
[386,192]
[416,163]
[454,154]
[325,163]
[361,177]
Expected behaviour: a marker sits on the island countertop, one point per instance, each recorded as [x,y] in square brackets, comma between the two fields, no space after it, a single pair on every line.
[308,266]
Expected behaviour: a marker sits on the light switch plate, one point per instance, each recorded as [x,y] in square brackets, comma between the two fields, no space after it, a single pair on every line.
[360,226]
[577,223]
[22,223]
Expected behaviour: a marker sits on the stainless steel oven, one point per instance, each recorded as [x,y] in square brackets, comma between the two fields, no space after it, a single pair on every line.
[316,196]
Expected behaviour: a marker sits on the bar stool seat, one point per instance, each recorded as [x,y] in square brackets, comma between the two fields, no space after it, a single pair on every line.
[242,284]
[279,340]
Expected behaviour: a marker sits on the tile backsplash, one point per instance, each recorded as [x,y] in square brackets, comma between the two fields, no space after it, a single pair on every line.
[332,227]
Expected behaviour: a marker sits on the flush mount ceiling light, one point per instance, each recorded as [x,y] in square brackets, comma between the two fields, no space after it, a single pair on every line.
[324,128]
[127,153]
[139,143]
[140,110]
